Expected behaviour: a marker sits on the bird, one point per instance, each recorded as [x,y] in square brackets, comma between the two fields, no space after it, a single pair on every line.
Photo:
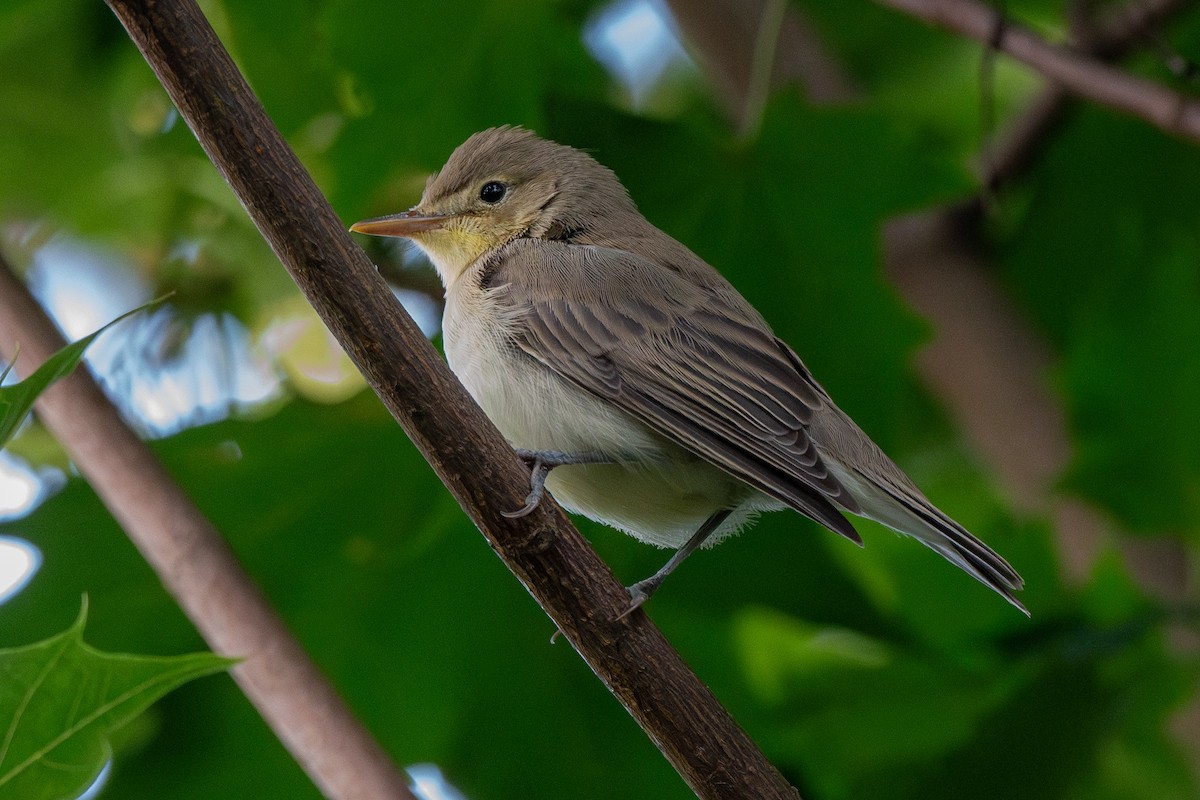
[639,386]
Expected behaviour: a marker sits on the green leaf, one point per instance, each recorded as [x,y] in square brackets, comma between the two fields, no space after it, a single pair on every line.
[777,648]
[60,698]
[1120,304]
[18,399]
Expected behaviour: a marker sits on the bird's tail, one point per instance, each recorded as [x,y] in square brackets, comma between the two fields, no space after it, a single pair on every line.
[903,508]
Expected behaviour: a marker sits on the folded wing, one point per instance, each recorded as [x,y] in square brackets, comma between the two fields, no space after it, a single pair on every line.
[687,361]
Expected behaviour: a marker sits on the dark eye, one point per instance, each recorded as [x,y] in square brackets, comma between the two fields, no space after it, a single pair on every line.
[493,192]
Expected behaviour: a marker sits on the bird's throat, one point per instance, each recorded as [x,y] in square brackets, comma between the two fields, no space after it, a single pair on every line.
[452,252]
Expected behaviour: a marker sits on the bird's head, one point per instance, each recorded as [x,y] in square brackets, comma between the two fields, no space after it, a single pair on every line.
[499,185]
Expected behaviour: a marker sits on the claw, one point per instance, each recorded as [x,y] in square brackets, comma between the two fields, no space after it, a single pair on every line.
[531,503]
[639,593]
[532,500]
[538,471]
[540,463]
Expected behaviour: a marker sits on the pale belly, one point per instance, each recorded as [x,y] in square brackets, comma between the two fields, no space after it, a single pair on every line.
[656,491]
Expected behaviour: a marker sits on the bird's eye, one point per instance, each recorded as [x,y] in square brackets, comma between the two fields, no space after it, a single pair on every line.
[493,192]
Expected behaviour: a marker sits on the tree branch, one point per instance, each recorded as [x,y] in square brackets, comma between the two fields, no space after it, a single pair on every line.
[1108,39]
[1120,28]
[198,568]
[1170,110]
[543,550]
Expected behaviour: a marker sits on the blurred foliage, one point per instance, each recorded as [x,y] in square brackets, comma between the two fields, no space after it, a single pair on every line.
[879,673]
[17,400]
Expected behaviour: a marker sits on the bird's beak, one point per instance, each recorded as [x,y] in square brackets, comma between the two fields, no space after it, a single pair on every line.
[406,223]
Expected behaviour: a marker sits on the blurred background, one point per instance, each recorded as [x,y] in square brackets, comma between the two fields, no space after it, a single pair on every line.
[1000,284]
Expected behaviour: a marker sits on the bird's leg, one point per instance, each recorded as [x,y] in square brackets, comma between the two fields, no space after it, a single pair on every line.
[641,591]
[540,463]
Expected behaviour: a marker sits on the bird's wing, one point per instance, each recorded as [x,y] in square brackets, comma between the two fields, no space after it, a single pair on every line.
[688,361]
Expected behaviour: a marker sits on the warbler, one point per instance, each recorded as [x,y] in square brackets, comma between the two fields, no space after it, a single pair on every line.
[642,389]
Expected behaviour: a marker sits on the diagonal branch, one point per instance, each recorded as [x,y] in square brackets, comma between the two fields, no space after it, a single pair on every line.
[1108,38]
[1172,111]
[1119,29]
[196,565]
[543,550]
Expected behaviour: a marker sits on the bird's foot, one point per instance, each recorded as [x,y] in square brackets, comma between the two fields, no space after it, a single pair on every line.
[640,592]
[540,463]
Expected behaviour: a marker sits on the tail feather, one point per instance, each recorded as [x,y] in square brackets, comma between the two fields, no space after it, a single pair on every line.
[907,511]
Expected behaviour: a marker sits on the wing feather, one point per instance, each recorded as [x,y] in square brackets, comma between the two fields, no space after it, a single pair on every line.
[687,362]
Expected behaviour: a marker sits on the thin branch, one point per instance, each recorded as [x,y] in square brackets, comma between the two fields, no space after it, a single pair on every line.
[543,550]
[1020,142]
[762,67]
[197,567]
[1123,27]
[1108,38]
[718,33]
[1170,110]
